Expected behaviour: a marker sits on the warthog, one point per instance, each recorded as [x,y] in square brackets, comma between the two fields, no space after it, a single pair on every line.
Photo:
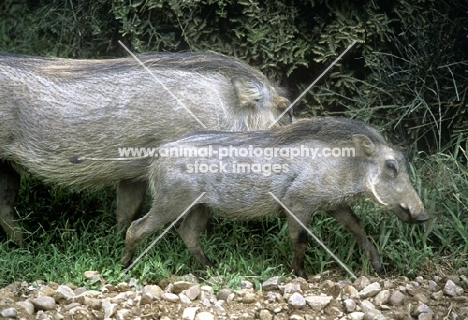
[54,109]
[314,164]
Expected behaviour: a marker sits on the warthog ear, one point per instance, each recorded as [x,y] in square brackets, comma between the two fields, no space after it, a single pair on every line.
[363,145]
[248,92]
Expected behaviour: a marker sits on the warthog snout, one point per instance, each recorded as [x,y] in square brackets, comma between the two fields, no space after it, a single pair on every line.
[411,214]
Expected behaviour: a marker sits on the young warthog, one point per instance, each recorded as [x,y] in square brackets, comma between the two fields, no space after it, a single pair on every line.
[52,110]
[318,163]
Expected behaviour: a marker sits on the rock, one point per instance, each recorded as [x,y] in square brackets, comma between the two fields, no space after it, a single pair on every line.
[399,314]
[246,284]
[419,279]
[108,308]
[265,315]
[94,276]
[328,285]
[46,291]
[150,293]
[425,316]
[206,302]
[382,297]
[249,298]
[361,282]
[170,297]
[296,300]
[79,291]
[272,296]
[464,311]
[189,313]
[180,286]
[432,285]
[123,314]
[317,303]
[192,292]
[349,292]
[412,288]
[13,287]
[366,305]
[123,287]
[136,311]
[296,317]
[205,316]
[451,289]
[232,296]
[121,297]
[465,280]
[207,289]
[219,305]
[278,309]
[6,295]
[184,299]
[27,306]
[204,295]
[223,294]
[292,287]
[349,305]
[437,295]
[271,284]
[71,306]
[374,314]
[389,284]
[93,303]
[78,311]
[91,275]
[334,311]
[421,297]
[370,290]
[44,303]
[302,283]
[356,316]
[420,308]
[63,293]
[9,313]
[396,298]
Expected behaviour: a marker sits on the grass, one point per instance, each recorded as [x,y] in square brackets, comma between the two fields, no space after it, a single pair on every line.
[68,233]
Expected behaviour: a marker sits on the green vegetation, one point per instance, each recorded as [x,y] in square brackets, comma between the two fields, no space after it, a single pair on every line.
[407,76]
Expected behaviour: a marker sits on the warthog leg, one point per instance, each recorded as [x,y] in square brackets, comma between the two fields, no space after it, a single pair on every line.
[130,196]
[190,231]
[9,186]
[154,220]
[299,242]
[345,215]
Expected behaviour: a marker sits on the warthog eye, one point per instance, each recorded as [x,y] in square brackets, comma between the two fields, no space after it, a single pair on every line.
[392,165]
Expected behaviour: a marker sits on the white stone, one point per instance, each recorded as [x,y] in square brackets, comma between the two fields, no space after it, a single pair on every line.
[317,303]
[189,313]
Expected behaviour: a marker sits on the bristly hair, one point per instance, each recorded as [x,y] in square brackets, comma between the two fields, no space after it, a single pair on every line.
[333,130]
[327,129]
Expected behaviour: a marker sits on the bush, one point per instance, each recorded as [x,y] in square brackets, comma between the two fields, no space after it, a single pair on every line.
[406,75]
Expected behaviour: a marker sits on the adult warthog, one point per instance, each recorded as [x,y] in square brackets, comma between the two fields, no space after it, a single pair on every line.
[54,109]
[314,164]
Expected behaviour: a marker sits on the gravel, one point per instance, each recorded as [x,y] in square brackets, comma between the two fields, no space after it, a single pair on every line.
[278,298]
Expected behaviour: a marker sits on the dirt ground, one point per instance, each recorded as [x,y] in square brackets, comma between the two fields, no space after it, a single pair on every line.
[318,297]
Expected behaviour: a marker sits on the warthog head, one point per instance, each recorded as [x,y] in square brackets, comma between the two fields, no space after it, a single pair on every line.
[388,181]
